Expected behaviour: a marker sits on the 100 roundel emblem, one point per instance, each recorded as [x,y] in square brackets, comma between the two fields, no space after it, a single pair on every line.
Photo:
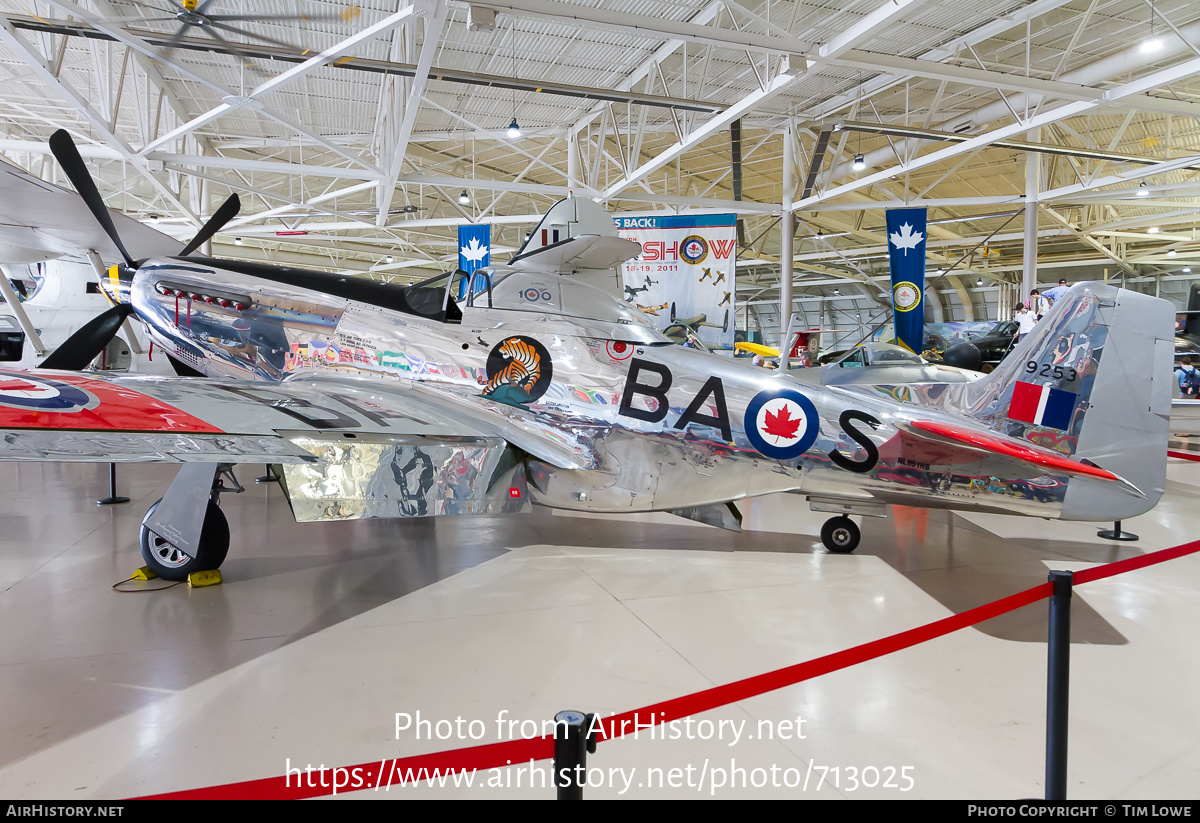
[23,391]
[781,424]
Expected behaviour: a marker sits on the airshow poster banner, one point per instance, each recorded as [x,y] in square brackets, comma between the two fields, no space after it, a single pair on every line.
[906,253]
[685,271]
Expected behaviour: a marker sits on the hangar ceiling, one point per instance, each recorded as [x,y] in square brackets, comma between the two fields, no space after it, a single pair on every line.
[352,130]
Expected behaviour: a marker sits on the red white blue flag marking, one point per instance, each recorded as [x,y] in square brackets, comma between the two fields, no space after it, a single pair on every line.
[1042,405]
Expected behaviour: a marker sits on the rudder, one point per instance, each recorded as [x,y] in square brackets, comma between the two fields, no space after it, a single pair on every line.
[1093,380]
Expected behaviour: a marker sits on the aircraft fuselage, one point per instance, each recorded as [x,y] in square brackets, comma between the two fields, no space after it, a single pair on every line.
[656,426]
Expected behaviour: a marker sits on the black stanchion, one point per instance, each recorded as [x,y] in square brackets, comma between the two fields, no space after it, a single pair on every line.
[113,497]
[1115,533]
[573,741]
[269,477]
[1058,678]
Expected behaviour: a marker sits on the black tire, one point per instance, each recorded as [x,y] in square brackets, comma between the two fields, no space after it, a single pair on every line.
[169,563]
[840,535]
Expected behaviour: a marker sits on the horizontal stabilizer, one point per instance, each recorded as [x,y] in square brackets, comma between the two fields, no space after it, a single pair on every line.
[584,251]
[987,442]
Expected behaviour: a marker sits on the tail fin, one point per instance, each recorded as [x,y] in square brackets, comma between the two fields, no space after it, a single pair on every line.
[578,237]
[1192,323]
[1093,380]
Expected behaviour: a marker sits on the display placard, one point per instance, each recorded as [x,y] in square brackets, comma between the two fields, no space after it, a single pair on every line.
[685,271]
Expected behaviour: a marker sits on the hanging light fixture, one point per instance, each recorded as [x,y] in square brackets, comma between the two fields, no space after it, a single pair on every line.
[464,198]
[860,162]
[1152,230]
[1152,43]
[1143,190]
[1171,252]
[979,282]
[387,259]
[514,130]
[237,241]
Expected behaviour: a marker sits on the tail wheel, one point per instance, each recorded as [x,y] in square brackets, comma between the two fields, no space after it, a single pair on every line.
[170,562]
[840,535]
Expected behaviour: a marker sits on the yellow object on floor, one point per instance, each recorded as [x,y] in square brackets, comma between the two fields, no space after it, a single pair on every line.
[208,578]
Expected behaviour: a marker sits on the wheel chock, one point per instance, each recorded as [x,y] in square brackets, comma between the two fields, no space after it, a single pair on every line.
[144,573]
[206,578]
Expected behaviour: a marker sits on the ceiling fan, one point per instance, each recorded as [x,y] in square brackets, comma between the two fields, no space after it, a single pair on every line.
[196,16]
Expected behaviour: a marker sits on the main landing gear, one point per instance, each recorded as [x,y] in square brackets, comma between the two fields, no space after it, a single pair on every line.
[185,531]
[840,535]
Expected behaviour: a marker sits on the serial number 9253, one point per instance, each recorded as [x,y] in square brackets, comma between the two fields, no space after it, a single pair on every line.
[1046,370]
[852,778]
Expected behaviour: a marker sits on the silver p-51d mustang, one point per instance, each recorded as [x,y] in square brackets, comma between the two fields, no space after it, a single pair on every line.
[540,385]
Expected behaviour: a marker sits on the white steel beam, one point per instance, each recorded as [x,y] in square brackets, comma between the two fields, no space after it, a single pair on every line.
[705,15]
[309,203]
[434,24]
[295,73]
[29,55]
[1158,78]
[147,50]
[182,161]
[839,45]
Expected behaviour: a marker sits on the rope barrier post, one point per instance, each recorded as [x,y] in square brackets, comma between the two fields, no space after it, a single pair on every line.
[573,740]
[1115,533]
[113,497]
[1058,676]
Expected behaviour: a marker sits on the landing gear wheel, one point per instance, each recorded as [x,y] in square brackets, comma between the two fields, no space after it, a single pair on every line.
[170,563]
[840,535]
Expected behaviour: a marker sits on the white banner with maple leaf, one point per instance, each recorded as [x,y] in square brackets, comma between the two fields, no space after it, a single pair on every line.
[685,272]
[906,253]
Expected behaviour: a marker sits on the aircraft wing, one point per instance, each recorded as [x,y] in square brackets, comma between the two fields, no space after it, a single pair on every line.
[83,417]
[40,221]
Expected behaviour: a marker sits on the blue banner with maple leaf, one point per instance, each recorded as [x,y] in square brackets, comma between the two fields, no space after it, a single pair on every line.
[906,253]
[474,251]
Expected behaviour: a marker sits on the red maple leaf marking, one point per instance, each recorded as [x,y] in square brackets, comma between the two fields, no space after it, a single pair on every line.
[16,384]
[781,425]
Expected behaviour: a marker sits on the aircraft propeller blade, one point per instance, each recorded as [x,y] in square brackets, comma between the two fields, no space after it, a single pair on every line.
[223,215]
[63,148]
[85,345]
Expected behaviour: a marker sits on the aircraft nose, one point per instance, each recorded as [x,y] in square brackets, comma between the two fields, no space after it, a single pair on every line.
[116,284]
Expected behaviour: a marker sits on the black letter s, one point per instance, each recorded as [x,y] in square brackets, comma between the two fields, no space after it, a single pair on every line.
[846,420]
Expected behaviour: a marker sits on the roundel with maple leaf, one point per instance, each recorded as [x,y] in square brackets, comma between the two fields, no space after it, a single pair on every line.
[781,424]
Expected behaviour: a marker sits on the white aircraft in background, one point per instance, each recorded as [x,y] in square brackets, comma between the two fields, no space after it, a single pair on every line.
[53,250]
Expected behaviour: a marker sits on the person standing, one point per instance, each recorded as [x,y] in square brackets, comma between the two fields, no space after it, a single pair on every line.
[1055,294]
[1025,320]
[1188,377]
[1038,305]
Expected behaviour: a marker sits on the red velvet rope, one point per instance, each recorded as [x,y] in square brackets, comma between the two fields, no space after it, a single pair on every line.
[380,774]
